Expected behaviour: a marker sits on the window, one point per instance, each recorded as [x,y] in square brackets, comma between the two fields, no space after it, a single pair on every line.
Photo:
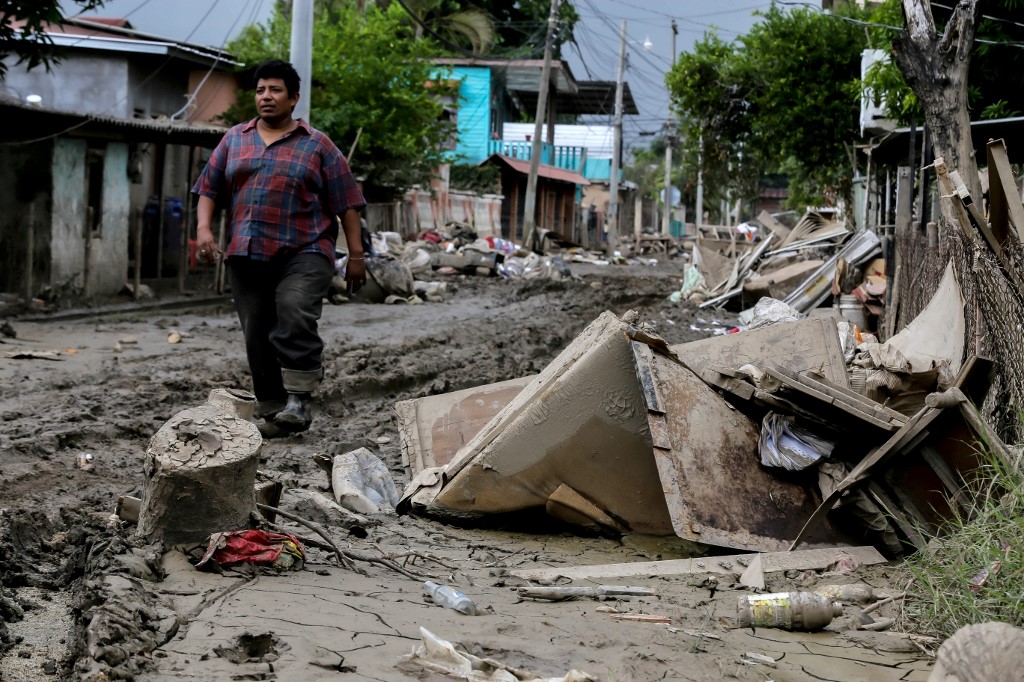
[94,158]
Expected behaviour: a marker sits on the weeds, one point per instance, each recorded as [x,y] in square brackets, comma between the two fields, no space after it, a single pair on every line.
[974,571]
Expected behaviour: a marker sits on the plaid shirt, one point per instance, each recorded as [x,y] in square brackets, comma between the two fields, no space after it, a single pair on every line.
[281,198]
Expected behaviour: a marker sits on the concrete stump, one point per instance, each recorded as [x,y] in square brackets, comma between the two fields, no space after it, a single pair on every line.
[200,471]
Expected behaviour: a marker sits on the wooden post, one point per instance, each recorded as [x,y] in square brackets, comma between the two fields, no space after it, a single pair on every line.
[160,219]
[87,259]
[30,244]
[904,209]
[138,253]
[186,222]
[638,219]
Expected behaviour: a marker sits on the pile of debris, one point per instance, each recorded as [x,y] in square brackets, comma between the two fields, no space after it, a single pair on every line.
[803,265]
[799,429]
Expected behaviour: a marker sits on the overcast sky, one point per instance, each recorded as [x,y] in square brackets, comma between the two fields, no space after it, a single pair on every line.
[213,22]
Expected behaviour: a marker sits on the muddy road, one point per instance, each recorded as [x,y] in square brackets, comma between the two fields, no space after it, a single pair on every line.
[72,437]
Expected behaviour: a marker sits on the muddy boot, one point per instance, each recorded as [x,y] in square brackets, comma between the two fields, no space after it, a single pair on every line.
[297,414]
[268,429]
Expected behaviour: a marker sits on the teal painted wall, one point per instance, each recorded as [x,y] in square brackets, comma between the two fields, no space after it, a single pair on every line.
[474,123]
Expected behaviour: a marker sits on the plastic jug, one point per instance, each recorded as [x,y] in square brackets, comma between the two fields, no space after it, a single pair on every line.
[449,598]
[787,610]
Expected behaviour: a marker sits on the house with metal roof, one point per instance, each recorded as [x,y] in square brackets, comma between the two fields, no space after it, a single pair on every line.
[495,97]
[111,130]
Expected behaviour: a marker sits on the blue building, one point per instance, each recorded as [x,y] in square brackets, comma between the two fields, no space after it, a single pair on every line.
[493,94]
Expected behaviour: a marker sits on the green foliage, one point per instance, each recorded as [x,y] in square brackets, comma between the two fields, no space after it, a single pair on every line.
[31,42]
[996,54]
[783,97]
[479,179]
[984,541]
[522,25]
[370,74]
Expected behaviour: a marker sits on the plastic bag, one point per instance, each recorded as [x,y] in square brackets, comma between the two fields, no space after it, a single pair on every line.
[787,446]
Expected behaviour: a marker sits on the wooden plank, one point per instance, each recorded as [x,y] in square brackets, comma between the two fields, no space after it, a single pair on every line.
[800,560]
[770,223]
[843,395]
[1002,190]
[810,391]
[881,411]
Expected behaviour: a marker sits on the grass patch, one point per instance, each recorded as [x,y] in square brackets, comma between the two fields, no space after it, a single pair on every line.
[974,571]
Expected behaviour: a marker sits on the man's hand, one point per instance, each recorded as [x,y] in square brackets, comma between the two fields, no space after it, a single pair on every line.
[355,274]
[206,245]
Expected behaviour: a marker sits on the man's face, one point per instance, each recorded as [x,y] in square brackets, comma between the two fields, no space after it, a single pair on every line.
[272,99]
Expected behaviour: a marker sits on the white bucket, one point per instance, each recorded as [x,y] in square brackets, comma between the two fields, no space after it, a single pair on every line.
[853,311]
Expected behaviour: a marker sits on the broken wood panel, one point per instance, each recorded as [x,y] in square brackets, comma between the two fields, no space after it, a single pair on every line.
[770,223]
[822,392]
[432,429]
[715,487]
[807,345]
[849,395]
[799,560]
[1004,199]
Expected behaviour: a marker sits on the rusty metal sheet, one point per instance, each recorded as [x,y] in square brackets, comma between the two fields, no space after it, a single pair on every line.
[715,486]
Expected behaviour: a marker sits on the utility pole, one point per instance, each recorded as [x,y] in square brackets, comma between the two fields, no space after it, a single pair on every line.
[670,136]
[699,218]
[301,53]
[613,201]
[530,203]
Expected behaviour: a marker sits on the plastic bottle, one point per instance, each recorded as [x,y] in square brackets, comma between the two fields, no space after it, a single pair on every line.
[449,598]
[787,610]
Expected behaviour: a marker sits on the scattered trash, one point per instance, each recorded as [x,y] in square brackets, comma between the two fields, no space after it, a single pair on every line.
[174,337]
[751,658]
[785,445]
[853,593]
[259,547]
[597,592]
[85,461]
[361,481]
[448,597]
[441,656]
[787,610]
[641,617]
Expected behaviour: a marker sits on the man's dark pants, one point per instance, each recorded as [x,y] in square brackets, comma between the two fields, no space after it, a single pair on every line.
[279,302]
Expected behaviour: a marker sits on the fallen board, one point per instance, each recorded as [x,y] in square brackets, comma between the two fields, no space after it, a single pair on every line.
[799,560]
[808,345]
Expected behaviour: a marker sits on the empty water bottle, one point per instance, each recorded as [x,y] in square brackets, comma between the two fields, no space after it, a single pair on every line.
[787,610]
[449,598]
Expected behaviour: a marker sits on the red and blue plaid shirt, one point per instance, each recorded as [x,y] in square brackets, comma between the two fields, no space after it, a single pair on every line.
[282,197]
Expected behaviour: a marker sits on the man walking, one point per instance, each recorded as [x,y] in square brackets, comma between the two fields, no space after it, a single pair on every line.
[284,185]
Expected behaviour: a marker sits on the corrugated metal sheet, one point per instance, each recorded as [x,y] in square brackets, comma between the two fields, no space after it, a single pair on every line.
[549,172]
[599,140]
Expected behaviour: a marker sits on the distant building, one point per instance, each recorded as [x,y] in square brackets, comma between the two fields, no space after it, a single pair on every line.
[85,146]
[495,96]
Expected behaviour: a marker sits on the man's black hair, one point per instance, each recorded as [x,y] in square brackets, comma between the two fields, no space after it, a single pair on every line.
[277,68]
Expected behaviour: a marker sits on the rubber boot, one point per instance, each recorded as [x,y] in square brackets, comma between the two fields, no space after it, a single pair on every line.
[297,414]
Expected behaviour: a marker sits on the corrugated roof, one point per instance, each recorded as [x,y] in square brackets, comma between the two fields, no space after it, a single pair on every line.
[27,122]
[543,170]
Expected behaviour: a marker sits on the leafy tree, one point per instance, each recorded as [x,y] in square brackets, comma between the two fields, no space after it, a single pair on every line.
[29,39]
[783,97]
[372,79]
[522,25]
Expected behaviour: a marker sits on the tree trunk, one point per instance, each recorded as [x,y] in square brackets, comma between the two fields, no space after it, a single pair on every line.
[200,472]
[936,69]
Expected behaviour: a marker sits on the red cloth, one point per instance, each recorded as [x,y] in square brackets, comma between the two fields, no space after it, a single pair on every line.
[248,546]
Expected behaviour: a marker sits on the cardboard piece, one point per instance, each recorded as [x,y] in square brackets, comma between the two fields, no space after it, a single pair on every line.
[808,345]
[937,334]
[432,429]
